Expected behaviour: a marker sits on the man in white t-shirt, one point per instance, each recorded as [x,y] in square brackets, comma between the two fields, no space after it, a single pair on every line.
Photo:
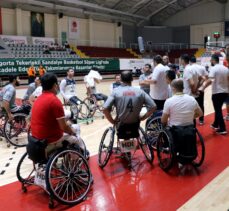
[203,76]
[91,79]
[166,62]
[190,77]
[219,78]
[180,109]
[158,83]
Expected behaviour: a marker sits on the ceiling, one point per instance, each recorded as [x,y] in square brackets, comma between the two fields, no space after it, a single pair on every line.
[140,12]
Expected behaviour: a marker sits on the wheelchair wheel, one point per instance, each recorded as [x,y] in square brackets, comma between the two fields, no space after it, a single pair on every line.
[15,131]
[84,111]
[153,128]
[200,150]
[145,146]
[165,150]
[106,147]
[68,177]
[91,104]
[25,170]
[74,109]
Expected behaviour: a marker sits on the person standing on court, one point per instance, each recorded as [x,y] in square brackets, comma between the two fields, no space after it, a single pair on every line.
[41,70]
[190,77]
[219,78]
[147,70]
[203,76]
[158,83]
[31,74]
[166,62]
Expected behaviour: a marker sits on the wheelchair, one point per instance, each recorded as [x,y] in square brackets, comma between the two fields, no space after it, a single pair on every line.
[129,139]
[81,111]
[64,173]
[172,148]
[94,105]
[153,128]
[15,131]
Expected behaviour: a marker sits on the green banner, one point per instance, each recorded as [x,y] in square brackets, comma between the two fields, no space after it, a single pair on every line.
[20,66]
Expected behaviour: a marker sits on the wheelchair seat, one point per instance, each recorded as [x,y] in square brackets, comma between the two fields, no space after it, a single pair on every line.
[36,150]
[128,131]
[184,140]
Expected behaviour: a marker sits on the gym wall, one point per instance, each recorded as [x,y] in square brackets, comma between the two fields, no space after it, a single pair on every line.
[17,22]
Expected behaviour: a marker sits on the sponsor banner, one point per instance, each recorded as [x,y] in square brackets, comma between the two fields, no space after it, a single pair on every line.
[43,40]
[73,28]
[131,64]
[14,39]
[20,66]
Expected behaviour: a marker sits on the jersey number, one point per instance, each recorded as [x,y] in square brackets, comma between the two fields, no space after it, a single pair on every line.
[130,105]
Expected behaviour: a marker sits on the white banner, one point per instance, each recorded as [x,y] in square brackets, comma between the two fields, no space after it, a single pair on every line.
[8,39]
[43,40]
[73,28]
[130,64]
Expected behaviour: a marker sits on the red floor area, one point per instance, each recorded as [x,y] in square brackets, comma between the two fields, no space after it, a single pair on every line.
[144,188]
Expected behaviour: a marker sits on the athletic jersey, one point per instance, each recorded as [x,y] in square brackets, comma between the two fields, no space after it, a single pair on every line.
[8,93]
[128,102]
[114,86]
[31,71]
[143,77]
[41,71]
[190,73]
[68,88]
[37,92]
[30,90]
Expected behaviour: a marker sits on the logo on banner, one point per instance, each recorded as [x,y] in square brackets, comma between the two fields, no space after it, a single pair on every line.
[14,39]
[43,41]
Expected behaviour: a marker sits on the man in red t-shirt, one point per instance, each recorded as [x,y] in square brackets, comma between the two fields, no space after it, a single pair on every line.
[48,118]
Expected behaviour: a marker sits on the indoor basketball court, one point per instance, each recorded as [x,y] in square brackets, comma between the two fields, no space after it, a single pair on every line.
[75,75]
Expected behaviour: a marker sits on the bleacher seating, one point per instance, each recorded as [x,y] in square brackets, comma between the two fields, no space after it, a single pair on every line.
[37,51]
[102,52]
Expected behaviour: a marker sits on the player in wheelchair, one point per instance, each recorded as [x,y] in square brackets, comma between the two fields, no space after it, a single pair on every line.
[68,91]
[56,149]
[180,140]
[13,117]
[95,99]
[128,102]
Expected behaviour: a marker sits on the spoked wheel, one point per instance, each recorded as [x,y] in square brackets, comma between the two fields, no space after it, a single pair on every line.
[200,150]
[25,170]
[91,104]
[84,111]
[68,177]
[145,146]
[100,105]
[16,131]
[106,147]
[165,150]
[153,129]
[75,110]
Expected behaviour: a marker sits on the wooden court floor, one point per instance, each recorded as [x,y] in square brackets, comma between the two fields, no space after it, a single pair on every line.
[91,134]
